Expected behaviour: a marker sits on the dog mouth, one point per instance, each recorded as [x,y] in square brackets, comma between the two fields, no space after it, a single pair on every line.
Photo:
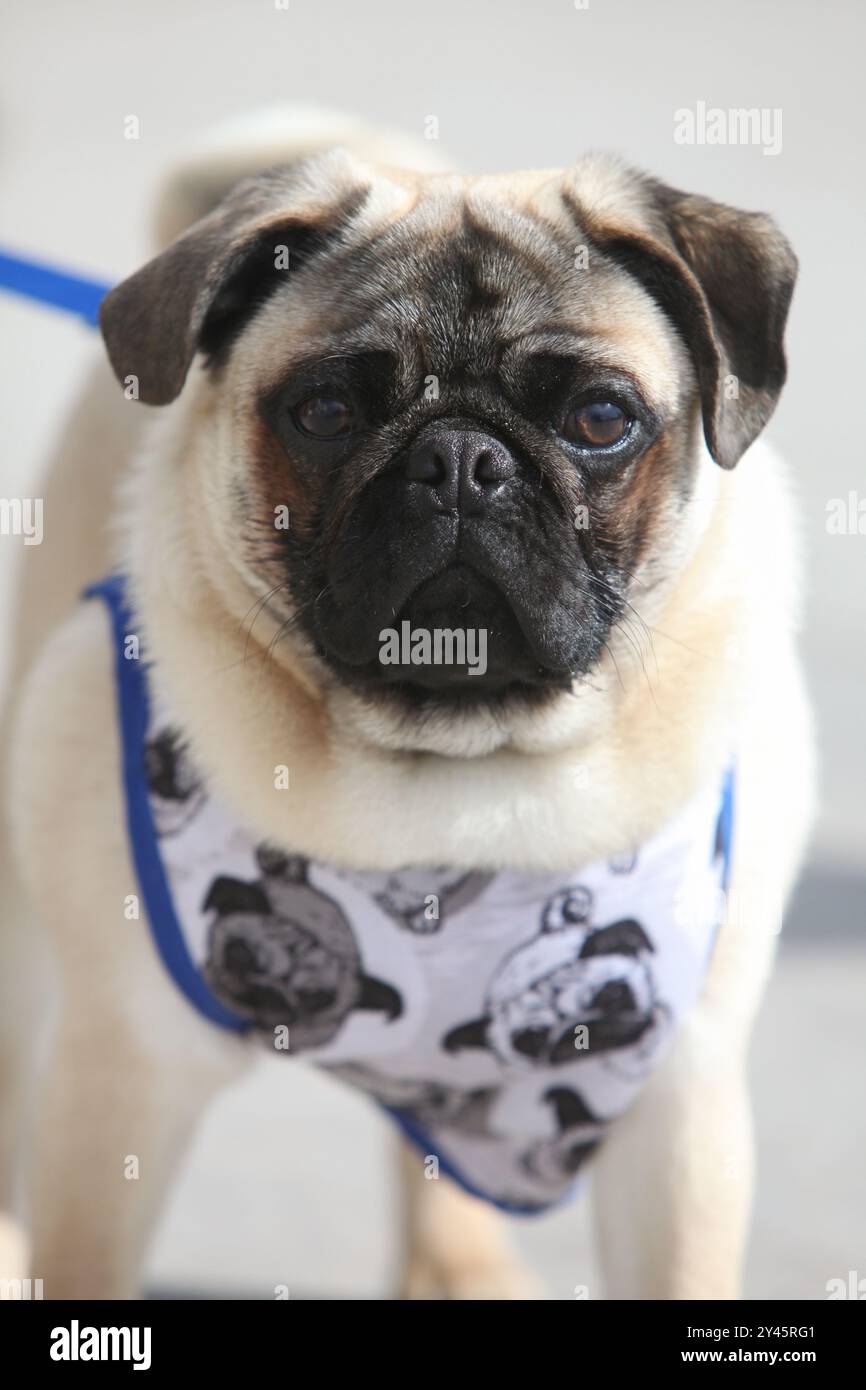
[456,639]
[606,1034]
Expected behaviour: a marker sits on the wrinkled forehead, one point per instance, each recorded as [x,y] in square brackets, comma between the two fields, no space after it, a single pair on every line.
[456,276]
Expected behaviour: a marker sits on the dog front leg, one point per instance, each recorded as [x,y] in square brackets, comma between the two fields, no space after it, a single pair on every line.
[455,1246]
[113,1121]
[673,1180]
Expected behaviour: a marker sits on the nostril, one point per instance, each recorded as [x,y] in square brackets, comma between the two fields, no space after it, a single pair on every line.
[492,467]
[459,466]
[426,466]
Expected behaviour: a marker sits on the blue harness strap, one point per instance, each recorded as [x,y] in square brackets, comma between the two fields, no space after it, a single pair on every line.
[133,706]
[75,294]
[725,827]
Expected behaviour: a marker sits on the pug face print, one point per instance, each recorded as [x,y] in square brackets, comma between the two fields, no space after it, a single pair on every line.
[575,991]
[578,1133]
[281,953]
[420,899]
[175,789]
[431,1104]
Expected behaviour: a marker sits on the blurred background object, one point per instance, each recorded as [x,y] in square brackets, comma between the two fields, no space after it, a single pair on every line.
[288,1183]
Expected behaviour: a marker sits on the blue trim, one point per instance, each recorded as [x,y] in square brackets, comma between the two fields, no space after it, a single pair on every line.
[134,710]
[725,826]
[76,294]
[421,1140]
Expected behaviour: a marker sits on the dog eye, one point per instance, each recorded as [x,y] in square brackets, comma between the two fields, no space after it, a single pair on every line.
[575,909]
[325,417]
[596,425]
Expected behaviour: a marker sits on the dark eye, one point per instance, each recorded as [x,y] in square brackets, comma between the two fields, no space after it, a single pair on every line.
[576,907]
[596,425]
[325,417]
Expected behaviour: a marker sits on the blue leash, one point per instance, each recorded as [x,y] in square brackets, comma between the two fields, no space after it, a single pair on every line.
[76,294]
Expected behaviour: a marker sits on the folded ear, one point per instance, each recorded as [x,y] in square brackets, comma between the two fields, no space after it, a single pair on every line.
[198,294]
[569,1107]
[227,896]
[624,938]
[725,278]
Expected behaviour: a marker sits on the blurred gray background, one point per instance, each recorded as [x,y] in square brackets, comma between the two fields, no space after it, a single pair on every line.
[289,1180]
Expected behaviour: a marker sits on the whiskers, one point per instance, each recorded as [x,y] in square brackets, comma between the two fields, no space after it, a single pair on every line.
[254,650]
[627,621]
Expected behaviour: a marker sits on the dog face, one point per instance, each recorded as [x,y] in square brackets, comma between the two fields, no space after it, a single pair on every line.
[573,992]
[282,954]
[458,405]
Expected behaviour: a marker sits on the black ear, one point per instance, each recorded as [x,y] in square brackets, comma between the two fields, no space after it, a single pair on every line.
[569,1107]
[160,764]
[379,997]
[274,863]
[725,278]
[230,895]
[624,938]
[473,1034]
[200,292]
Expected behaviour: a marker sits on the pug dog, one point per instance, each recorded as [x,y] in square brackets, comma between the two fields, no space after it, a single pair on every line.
[571,975]
[357,390]
[282,954]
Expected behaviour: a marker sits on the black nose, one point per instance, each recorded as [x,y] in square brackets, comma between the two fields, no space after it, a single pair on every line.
[238,957]
[459,468]
[530,1042]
